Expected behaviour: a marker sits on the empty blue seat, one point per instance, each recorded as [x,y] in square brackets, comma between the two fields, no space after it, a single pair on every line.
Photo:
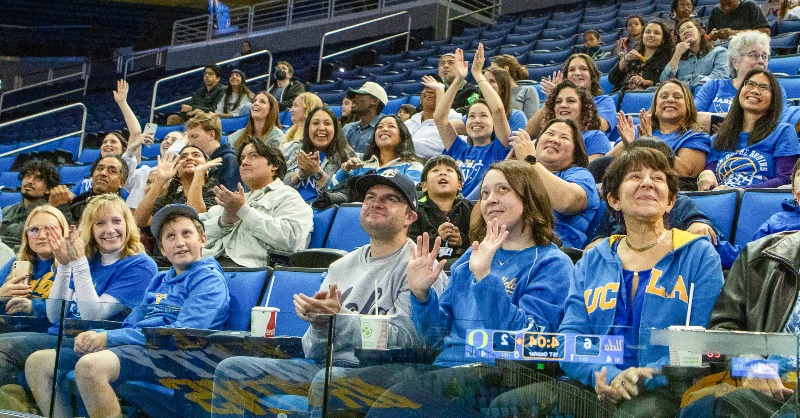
[521,38]
[414,100]
[556,33]
[601,26]
[789,64]
[323,218]
[346,232]
[488,43]
[634,101]
[374,69]
[604,65]
[515,50]
[352,83]
[550,44]
[548,57]
[73,174]
[329,97]
[785,43]
[422,53]
[324,85]
[393,105]
[786,26]
[756,207]
[610,37]
[720,206]
[234,124]
[162,131]
[407,64]
[558,22]
[407,87]
[537,72]
[246,288]
[285,283]
[605,84]
[7,161]
[417,73]
[10,180]
[89,155]
[792,87]
[390,77]
[8,197]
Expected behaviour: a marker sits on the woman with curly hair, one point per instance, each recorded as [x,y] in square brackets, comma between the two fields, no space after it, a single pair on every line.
[391,148]
[641,66]
[568,101]
[695,60]
[263,123]
[321,153]
[581,70]
[673,119]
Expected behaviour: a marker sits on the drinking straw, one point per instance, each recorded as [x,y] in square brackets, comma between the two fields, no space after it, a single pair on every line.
[376,296]
[691,296]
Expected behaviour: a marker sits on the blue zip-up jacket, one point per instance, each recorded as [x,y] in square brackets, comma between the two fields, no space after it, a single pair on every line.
[524,288]
[196,298]
[591,305]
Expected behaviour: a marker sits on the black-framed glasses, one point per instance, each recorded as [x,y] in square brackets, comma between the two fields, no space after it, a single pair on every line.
[750,84]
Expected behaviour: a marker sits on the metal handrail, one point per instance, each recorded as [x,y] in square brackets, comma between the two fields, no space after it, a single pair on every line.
[158,52]
[449,19]
[153,106]
[84,73]
[407,34]
[80,132]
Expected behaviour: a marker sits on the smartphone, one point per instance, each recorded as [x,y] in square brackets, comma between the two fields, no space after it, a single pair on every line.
[21,268]
[150,128]
[716,121]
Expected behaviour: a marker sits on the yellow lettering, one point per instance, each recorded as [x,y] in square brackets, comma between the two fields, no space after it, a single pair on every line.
[587,296]
[160,297]
[652,286]
[609,300]
[680,287]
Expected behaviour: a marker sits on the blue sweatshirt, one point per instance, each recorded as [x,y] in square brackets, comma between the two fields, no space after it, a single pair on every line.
[41,281]
[524,288]
[196,298]
[597,280]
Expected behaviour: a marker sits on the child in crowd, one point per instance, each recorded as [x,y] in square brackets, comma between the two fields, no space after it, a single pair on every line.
[191,294]
[406,111]
[443,211]
[591,44]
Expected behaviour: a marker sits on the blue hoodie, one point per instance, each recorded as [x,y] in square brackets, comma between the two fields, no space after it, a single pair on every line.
[591,305]
[196,298]
[524,288]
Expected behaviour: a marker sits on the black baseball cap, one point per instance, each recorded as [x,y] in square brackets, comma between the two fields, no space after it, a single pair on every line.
[393,179]
[166,211]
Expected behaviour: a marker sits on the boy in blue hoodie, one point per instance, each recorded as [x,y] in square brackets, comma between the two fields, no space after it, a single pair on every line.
[191,294]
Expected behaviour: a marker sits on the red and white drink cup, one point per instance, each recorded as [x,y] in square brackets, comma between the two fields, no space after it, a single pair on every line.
[262,321]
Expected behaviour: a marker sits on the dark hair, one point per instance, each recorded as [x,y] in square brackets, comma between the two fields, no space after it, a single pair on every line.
[592,32]
[408,108]
[215,68]
[445,160]
[705,44]
[243,91]
[595,88]
[173,217]
[637,158]
[794,170]
[338,146]
[271,153]
[689,121]
[637,17]
[123,171]
[119,136]
[503,80]
[270,122]
[515,70]
[579,156]
[537,213]
[666,46]
[647,141]
[404,149]
[728,135]
[674,7]
[44,168]
[590,120]
[286,63]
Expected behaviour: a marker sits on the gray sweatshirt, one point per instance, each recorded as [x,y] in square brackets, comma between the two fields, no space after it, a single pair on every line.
[355,274]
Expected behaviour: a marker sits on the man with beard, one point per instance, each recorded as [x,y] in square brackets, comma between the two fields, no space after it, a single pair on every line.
[368,102]
[467,93]
[286,87]
[108,176]
[38,178]
[348,291]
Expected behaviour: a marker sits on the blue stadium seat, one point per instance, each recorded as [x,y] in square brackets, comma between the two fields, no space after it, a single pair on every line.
[600,16]
[417,73]
[286,118]
[558,33]
[162,131]
[328,97]
[390,77]
[792,87]
[600,26]
[756,207]
[791,115]
[374,69]
[610,37]
[516,50]
[496,33]
[559,22]
[233,124]
[720,206]
[323,218]
[150,163]
[537,72]
[352,83]
[285,283]
[394,104]
[7,161]
[634,101]
[422,53]
[548,57]
[406,87]
[786,26]
[604,65]
[550,44]
[89,155]
[473,31]
[414,100]
[10,180]
[346,232]
[8,197]
[408,64]
[788,64]
[324,85]
[73,174]
[641,11]
[463,39]
[605,84]
[785,43]
[71,144]
[246,288]
[521,38]
[527,29]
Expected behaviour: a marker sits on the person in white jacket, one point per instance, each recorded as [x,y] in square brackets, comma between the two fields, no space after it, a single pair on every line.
[244,226]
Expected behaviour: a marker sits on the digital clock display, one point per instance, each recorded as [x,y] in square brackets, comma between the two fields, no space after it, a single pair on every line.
[543,346]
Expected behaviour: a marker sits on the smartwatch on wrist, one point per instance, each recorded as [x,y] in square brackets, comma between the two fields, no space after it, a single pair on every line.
[531,159]
[317,175]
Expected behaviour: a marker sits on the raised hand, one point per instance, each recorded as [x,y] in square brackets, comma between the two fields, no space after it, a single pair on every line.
[522,145]
[431,83]
[76,248]
[121,93]
[625,128]
[230,201]
[550,82]
[58,244]
[423,269]
[480,261]
[477,63]
[645,123]
[203,168]
[461,67]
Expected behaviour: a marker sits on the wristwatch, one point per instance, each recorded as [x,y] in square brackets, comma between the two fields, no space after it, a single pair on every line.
[531,159]
[317,175]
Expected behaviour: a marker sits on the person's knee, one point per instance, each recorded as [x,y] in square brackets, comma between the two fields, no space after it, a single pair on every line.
[41,363]
[97,367]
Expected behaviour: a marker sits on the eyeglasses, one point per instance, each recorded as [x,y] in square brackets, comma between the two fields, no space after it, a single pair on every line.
[755,56]
[749,84]
[35,230]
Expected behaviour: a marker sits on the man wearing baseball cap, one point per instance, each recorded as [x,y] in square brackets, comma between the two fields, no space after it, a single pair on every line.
[349,290]
[368,101]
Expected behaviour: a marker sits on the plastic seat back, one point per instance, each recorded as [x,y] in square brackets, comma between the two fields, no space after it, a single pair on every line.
[346,232]
[721,207]
[757,206]
[285,283]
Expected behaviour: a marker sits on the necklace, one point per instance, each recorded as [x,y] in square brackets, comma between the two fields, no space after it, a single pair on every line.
[648,246]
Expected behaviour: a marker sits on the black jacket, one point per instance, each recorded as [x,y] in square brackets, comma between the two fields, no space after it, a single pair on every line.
[761,289]
[291,91]
[429,217]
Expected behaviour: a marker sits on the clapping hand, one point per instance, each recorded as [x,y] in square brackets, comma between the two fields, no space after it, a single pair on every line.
[230,201]
[121,93]
[477,63]
[308,163]
[625,128]
[450,234]
[203,168]
[521,145]
[645,123]
[480,261]
[431,83]
[461,67]
[318,308]
[550,82]
[423,269]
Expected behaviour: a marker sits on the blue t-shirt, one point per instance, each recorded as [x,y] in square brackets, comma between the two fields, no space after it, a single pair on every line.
[696,140]
[308,187]
[474,161]
[573,229]
[607,110]
[125,280]
[629,315]
[754,164]
[596,142]
[716,96]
